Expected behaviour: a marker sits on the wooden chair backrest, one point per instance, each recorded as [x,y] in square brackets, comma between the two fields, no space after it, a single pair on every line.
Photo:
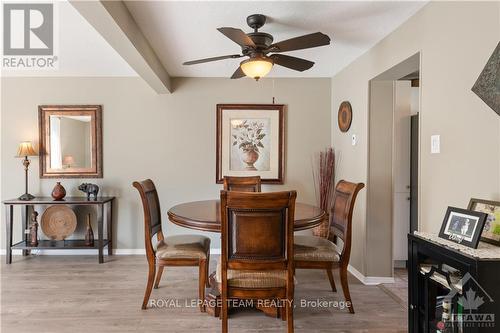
[152,213]
[242,184]
[341,213]
[257,230]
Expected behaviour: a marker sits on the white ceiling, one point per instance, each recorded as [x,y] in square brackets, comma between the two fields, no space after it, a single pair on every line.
[180,31]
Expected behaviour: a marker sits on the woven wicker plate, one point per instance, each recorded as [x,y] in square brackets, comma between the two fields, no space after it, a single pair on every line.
[58,222]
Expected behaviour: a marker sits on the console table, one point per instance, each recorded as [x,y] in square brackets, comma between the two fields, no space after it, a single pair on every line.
[104,206]
[445,275]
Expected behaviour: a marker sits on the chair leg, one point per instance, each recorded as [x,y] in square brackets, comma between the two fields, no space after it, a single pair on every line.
[289,315]
[332,281]
[158,276]
[207,280]
[223,314]
[149,286]
[201,283]
[345,287]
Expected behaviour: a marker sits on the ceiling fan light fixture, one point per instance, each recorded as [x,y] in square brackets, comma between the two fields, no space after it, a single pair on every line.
[256,68]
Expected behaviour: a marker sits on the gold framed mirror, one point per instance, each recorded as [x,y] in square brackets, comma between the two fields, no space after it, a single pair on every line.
[70,141]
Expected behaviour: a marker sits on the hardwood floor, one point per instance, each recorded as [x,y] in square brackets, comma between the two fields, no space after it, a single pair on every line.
[399,289]
[75,294]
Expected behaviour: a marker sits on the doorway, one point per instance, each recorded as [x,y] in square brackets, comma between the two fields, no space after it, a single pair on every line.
[393,154]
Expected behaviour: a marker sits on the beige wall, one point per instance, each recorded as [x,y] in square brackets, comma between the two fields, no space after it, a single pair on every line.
[379,182]
[169,138]
[455,40]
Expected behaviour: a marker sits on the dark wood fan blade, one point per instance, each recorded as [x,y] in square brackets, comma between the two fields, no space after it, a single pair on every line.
[298,43]
[238,74]
[237,36]
[294,63]
[199,61]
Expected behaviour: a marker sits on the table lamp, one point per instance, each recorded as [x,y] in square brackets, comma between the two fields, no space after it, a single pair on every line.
[26,149]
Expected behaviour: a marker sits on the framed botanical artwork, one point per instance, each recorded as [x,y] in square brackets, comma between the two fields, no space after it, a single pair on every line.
[251,141]
[491,231]
[463,226]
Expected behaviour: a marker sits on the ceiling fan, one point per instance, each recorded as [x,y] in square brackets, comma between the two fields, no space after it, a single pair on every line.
[258,46]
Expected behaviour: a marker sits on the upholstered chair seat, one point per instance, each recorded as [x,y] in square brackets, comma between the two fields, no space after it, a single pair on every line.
[253,279]
[183,246]
[312,248]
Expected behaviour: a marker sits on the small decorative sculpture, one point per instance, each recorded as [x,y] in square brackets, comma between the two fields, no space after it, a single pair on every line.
[89,189]
[89,235]
[34,229]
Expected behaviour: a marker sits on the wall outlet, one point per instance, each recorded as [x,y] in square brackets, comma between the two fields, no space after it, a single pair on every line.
[435,144]
[354,139]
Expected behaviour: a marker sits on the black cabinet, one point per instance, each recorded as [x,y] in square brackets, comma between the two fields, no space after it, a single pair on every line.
[452,289]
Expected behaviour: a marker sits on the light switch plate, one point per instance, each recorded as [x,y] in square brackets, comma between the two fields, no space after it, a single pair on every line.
[435,144]
[354,139]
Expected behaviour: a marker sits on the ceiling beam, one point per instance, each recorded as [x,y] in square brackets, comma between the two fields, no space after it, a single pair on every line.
[115,23]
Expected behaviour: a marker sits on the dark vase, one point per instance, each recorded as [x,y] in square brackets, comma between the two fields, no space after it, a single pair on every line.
[58,192]
[89,234]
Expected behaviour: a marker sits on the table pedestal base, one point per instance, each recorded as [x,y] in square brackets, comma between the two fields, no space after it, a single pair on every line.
[213,302]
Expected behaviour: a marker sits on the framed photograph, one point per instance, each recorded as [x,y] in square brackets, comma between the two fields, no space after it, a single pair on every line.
[491,231]
[251,141]
[463,226]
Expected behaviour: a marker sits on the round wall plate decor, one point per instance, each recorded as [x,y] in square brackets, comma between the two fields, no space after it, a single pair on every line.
[58,222]
[345,116]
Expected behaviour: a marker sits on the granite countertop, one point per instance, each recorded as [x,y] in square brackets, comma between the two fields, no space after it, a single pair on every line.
[483,251]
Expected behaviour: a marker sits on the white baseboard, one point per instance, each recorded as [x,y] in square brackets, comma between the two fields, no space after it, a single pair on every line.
[369,280]
[118,252]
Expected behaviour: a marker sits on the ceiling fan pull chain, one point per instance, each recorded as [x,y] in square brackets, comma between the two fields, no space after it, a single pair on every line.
[273,91]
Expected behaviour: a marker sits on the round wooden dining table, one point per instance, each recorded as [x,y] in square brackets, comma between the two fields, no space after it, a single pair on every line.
[205,215]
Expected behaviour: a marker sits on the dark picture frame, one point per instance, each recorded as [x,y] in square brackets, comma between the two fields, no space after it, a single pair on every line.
[491,230]
[463,226]
[225,145]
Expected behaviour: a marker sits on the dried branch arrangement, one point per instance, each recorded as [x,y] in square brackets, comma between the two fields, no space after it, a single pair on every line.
[324,184]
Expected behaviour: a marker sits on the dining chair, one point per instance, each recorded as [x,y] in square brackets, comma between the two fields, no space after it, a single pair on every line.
[242,184]
[313,252]
[178,250]
[257,249]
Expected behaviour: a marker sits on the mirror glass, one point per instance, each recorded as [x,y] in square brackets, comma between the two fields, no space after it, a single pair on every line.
[70,142]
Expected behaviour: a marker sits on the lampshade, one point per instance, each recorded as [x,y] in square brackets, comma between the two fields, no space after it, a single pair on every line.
[26,149]
[256,67]
[68,160]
